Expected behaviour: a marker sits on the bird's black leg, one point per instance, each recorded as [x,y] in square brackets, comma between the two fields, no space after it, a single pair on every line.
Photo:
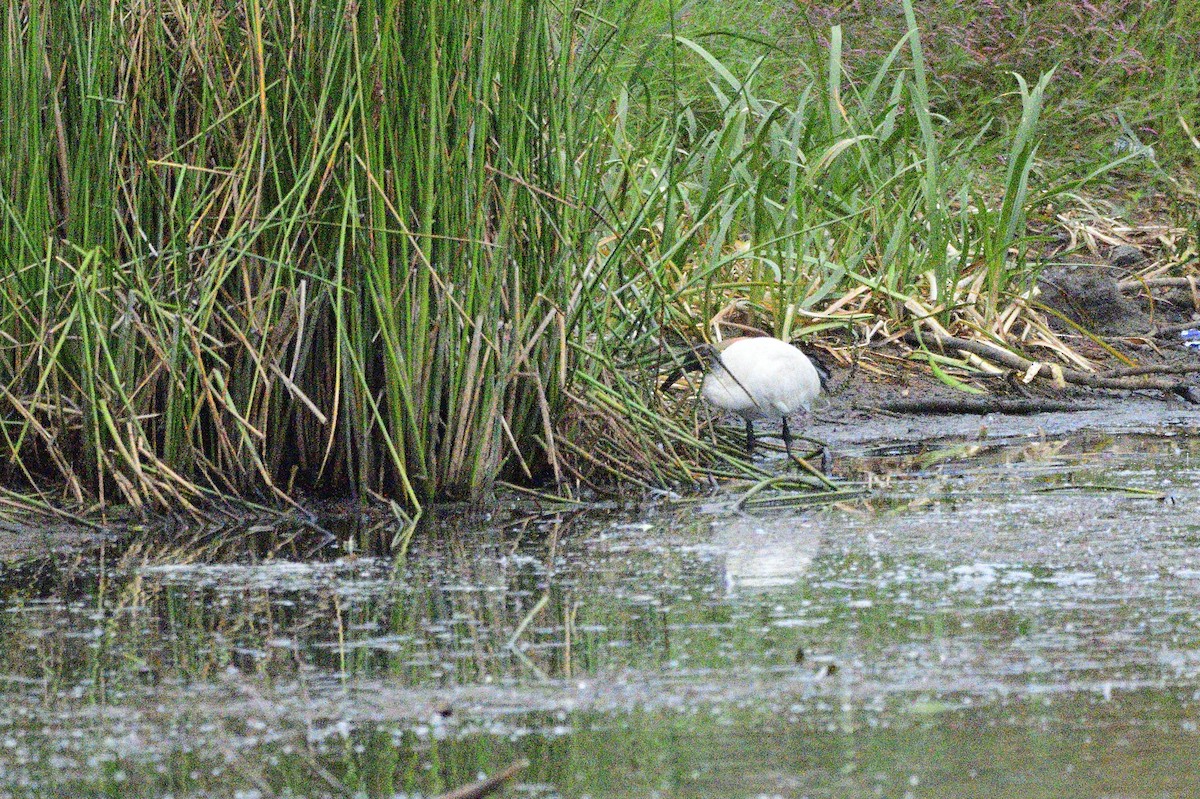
[749,437]
[826,458]
[800,462]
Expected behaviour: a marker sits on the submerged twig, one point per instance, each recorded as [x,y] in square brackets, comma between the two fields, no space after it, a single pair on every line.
[813,470]
[1141,492]
[825,489]
[489,785]
[525,622]
[810,497]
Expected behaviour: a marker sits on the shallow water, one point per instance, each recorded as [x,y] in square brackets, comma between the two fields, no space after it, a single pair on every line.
[1001,618]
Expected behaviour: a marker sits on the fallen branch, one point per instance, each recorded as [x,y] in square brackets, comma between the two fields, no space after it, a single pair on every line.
[1170,330]
[1157,369]
[1139,382]
[492,784]
[1132,284]
[982,407]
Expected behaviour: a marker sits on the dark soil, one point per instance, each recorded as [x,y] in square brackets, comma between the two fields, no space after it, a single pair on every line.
[27,541]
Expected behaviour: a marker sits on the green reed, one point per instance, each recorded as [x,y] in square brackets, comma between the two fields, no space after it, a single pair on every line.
[255,249]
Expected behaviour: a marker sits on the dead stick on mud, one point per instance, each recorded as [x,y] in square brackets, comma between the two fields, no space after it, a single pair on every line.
[1157,369]
[488,786]
[1133,284]
[1168,330]
[1011,360]
[981,407]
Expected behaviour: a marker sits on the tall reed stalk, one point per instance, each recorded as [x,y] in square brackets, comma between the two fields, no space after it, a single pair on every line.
[261,247]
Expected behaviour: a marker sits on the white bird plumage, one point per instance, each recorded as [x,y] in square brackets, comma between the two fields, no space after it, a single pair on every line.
[761,378]
[758,378]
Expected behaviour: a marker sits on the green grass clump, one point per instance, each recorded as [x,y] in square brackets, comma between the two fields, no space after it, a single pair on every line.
[739,212]
[1115,59]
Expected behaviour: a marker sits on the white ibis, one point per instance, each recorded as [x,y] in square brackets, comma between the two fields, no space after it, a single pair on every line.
[757,378]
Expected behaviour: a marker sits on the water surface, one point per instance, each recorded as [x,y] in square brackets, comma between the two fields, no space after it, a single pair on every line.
[998,618]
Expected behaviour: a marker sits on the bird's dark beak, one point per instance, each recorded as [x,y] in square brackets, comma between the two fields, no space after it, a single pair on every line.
[697,358]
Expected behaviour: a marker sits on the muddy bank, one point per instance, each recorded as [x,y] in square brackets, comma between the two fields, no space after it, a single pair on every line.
[1135,313]
[851,418]
[22,542]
